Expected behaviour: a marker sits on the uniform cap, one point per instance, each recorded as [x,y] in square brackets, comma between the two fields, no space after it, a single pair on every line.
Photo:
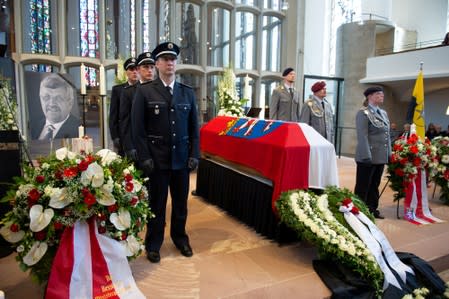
[130,62]
[287,71]
[145,58]
[318,86]
[371,90]
[167,48]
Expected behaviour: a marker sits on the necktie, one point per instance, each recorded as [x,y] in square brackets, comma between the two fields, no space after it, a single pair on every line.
[169,89]
[291,91]
[49,132]
[324,118]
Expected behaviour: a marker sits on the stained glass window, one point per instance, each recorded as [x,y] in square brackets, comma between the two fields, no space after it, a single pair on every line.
[40,31]
[89,36]
[146,26]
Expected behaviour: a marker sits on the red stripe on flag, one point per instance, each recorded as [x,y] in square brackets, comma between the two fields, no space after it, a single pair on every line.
[102,286]
[58,286]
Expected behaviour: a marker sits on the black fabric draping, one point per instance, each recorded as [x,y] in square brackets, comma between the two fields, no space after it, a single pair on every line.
[242,196]
[344,283]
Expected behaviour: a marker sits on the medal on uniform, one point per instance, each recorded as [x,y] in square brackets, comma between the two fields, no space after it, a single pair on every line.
[156,110]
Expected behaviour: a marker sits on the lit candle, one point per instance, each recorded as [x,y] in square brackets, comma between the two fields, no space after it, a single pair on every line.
[80,132]
[83,79]
[102,81]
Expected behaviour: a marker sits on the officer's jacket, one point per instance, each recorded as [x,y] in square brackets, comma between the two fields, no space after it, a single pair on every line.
[373,136]
[322,120]
[283,106]
[126,101]
[114,110]
[165,127]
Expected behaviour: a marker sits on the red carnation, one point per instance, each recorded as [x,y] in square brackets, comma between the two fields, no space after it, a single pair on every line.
[40,179]
[34,195]
[414,149]
[403,161]
[70,172]
[40,235]
[85,191]
[397,147]
[446,174]
[14,228]
[58,175]
[112,208]
[128,177]
[101,229]
[399,172]
[417,161]
[58,225]
[134,200]
[83,165]
[129,186]
[89,199]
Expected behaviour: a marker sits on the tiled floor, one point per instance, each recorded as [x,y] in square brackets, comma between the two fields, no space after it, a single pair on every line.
[232,261]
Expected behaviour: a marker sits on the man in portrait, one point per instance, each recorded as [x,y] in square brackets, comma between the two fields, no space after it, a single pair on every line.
[57,98]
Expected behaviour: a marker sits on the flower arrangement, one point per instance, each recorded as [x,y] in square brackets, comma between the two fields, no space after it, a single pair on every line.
[312,217]
[441,171]
[66,188]
[229,104]
[8,106]
[408,156]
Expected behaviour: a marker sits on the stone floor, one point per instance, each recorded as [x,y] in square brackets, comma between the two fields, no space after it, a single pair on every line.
[232,261]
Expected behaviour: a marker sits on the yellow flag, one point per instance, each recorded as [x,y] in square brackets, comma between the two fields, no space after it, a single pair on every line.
[418,115]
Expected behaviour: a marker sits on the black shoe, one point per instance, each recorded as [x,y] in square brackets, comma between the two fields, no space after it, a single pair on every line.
[185,250]
[153,256]
[378,215]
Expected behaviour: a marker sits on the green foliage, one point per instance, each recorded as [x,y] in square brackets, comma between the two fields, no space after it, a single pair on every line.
[8,106]
[315,220]
[66,188]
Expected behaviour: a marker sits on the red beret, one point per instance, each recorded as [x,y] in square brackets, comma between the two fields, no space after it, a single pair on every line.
[318,86]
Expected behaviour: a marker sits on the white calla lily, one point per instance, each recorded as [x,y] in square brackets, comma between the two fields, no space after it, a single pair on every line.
[132,245]
[93,175]
[59,198]
[107,156]
[106,198]
[35,254]
[61,153]
[40,218]
[121,220]
[10,236]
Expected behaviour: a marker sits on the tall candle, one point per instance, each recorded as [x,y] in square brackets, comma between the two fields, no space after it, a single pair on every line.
[80,132]
[246,91]
[83,79]
[102,81]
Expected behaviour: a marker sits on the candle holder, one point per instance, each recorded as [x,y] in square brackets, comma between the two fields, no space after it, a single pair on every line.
[84,110]
[103,117]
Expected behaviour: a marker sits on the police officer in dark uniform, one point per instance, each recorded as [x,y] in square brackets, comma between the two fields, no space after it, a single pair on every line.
[114,109]
[166,135]
[146,70]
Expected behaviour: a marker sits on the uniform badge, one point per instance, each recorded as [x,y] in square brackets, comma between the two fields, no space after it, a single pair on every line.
[170,46]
